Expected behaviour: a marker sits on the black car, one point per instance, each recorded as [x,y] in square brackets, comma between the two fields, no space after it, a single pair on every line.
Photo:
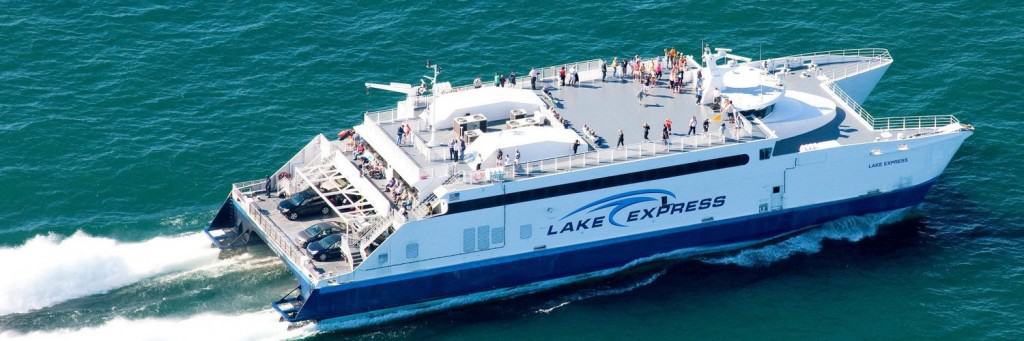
[306,203]
[326,249]
[316,231]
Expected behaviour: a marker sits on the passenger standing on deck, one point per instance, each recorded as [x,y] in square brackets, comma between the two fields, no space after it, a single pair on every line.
[452,155]
[401,133]
[622,140]
[707,125]
[640,94]
[533,79]
[664,136]
[721,131]
[575,76]
[462,149]
[668,125]
[503,80]
[647,131]
[615,67]
[575,146]
[408,131]
[512,78]
[604,70]
[501,153]
[561,76]
[657,70]
[518,157]
[497,79]
[624,66]
[693,126]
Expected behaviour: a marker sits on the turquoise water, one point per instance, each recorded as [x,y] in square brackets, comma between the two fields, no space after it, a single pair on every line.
[123,126]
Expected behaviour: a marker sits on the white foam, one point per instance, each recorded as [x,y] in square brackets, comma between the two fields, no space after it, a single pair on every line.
[849,229]
[599,292]
[241,263]
[49,269]
[260,325]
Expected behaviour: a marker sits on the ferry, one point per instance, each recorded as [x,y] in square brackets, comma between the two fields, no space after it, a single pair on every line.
[462,194]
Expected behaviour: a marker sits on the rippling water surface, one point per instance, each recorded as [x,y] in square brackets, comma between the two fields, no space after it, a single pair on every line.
[121,128]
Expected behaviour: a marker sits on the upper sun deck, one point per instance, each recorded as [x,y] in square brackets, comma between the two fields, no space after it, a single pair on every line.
[811,107]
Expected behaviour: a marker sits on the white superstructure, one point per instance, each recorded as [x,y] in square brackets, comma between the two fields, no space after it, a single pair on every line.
[787,147]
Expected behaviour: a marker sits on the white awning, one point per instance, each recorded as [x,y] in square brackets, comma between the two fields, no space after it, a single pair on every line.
[493,102]
[533,143]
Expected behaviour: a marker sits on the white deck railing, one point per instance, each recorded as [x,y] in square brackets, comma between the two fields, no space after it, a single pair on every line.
[603,156]
[272,232]
[875,58]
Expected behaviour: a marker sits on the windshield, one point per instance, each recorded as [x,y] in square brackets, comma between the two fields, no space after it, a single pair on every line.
[298,198]
[329,241]
[312,231]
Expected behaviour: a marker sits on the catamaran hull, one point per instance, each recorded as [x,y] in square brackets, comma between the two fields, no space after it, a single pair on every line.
[436,285]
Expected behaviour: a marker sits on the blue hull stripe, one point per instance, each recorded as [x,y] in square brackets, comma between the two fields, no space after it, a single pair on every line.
[511,271]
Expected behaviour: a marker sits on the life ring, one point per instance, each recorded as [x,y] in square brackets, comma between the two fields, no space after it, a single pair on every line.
[283,175]
[478,176]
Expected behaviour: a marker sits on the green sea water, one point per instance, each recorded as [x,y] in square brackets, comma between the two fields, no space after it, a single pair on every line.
[123,125]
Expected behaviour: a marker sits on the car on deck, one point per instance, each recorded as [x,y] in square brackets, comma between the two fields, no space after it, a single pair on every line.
[326,249]
[317,231]
[307,203]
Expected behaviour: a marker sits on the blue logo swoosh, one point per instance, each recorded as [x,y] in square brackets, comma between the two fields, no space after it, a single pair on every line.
[627,199]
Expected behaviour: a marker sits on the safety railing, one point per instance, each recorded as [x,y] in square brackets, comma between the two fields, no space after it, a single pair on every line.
[913,122]
[378,117]
[732,134]
[375,225]
[271,231]
[880,123]
[842,96]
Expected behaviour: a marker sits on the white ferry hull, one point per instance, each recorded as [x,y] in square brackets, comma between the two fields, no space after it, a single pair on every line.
[443,273]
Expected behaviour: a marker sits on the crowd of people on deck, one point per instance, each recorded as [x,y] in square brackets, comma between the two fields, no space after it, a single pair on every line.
[373,167]
[647,75]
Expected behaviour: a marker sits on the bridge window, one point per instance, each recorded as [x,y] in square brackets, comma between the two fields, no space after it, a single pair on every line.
[382,259]
[766,153]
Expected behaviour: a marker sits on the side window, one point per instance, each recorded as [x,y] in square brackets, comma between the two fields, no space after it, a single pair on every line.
[483,237]
[469,240]
[412,250]
[498,236]
[525,231]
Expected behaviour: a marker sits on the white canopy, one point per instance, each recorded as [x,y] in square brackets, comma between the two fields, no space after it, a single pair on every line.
[533,143]
[749,89]
[799,112]
[493,102]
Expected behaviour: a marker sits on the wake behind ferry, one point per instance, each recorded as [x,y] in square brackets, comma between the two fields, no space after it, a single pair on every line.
[470,193]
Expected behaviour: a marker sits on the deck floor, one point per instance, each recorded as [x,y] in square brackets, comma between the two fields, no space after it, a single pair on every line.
[268,206]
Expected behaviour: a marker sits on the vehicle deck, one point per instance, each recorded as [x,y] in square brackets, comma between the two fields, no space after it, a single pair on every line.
[268,207]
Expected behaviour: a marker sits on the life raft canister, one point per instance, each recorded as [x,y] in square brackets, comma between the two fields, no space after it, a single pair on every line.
[344,134]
